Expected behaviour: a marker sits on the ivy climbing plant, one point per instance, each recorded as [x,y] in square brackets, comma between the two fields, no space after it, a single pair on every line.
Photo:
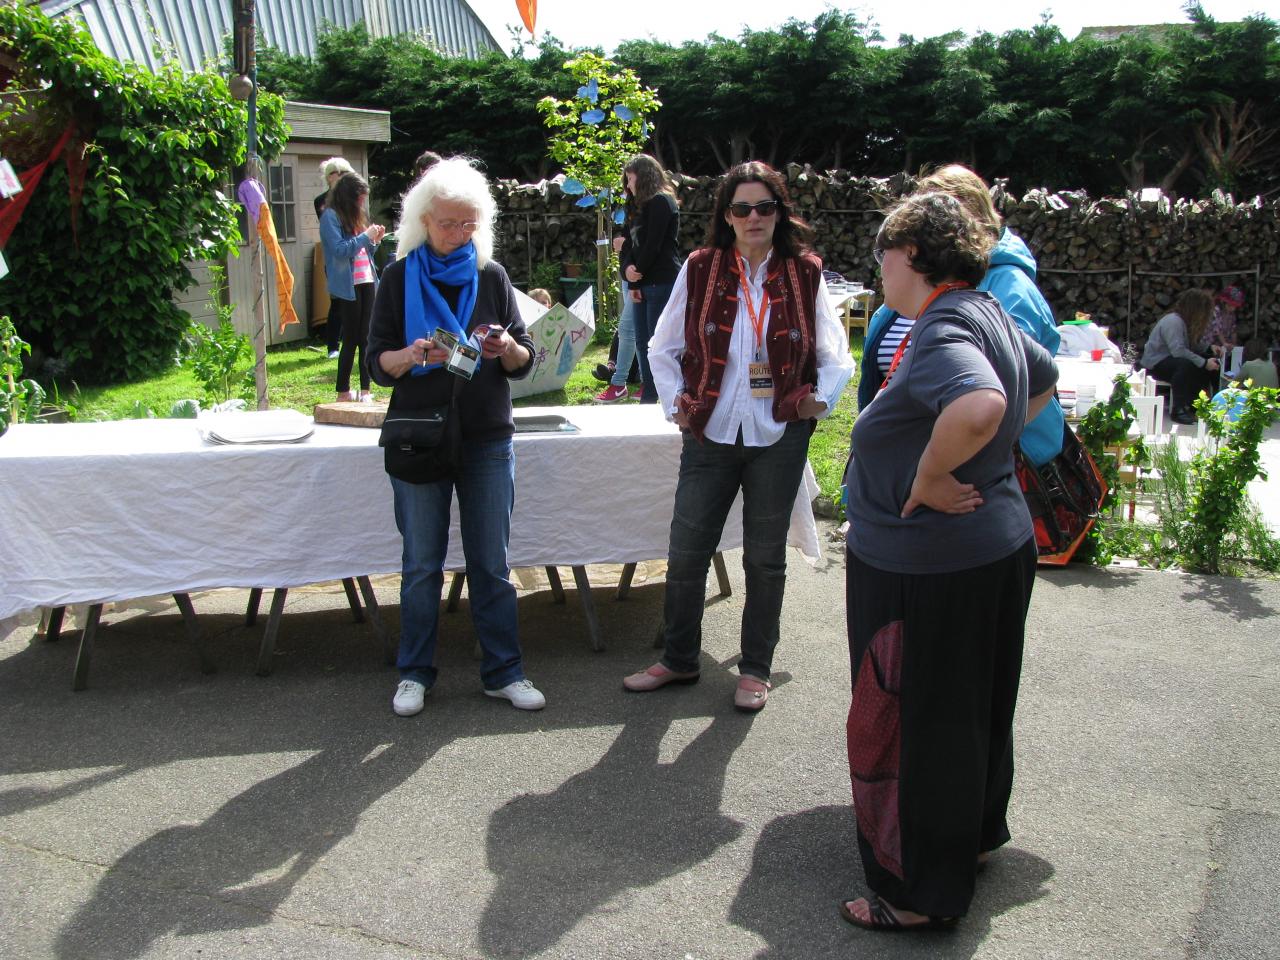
[592,136]
[159,152]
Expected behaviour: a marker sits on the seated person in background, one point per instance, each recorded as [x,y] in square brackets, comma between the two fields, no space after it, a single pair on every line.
[1258,366]
[1082,335]
[1169,356]
[1221,333]
[541,295]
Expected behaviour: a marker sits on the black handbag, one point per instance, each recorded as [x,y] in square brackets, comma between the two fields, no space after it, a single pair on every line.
[423,445]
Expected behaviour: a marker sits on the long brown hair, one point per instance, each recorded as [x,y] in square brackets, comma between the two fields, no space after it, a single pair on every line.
[1195,307]
[346,199]
[791,235]
[651,179]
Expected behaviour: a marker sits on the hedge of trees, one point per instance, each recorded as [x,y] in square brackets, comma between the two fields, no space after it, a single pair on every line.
[1189,108]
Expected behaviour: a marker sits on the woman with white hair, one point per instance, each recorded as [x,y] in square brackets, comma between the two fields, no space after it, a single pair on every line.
[444,286]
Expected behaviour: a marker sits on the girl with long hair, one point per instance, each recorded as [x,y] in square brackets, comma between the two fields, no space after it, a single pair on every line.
[349,241]
[1170,353]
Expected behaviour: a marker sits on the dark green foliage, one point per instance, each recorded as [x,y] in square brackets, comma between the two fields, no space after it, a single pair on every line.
[1190,108]
[161,148]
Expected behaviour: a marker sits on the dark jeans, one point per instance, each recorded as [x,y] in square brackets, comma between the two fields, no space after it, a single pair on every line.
[355,316]
[711,474]
[1186,380]
[646,314]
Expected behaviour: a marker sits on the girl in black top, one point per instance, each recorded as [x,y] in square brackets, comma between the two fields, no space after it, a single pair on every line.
[653,256]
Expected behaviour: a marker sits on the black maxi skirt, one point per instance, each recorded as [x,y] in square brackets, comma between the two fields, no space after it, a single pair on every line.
[935,661]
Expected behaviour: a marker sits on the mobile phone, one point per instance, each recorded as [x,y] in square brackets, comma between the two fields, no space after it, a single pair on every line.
[495,330]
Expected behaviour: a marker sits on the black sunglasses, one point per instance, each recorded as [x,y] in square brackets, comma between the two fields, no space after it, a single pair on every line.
[765,208]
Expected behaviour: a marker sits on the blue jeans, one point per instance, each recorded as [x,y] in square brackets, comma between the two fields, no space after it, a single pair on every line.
[626,339]
[710,476]
[486,494]
[645,316]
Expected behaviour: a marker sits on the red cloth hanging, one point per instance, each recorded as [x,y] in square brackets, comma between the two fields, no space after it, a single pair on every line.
[11,209]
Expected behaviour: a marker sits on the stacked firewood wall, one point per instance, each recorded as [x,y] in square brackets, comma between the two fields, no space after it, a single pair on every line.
[1122,260]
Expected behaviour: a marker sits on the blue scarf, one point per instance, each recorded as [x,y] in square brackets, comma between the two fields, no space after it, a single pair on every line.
[424,308]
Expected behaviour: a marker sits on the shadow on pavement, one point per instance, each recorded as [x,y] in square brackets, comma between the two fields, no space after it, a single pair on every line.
[628,822]
[806,863]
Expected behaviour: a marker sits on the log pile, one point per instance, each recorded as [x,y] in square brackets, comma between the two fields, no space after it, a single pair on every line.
[1123,260]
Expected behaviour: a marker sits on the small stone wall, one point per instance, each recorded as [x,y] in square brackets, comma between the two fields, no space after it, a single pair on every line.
[1122,260]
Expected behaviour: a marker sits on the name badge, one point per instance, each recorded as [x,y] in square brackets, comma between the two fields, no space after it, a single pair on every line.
[761,379]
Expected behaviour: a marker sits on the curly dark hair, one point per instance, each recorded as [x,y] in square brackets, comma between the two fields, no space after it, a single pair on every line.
[346,199]
[951,244]
[791,235]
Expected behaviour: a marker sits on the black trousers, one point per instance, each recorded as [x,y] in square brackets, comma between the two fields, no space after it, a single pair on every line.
[1186,380]
[355,316]
[935,660]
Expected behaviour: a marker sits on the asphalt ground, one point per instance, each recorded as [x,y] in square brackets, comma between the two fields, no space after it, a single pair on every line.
[168,813]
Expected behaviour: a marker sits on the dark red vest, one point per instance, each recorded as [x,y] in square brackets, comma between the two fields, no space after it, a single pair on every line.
[791,338]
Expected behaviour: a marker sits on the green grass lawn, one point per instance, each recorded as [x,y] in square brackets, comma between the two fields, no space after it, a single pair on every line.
[299,377]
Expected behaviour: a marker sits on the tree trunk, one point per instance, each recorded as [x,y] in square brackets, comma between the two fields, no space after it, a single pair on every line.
[719,154]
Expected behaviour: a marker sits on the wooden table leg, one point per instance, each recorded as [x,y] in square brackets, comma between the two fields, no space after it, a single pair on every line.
[722,574]
[624,585]
[349,585]
[588,607]
[455,591]
[90,633]
[251,611]
[557,588]
[53,629]
[267,651]
[380,632]
[183,601]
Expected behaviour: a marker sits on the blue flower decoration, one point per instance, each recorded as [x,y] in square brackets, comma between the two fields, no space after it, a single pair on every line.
[593,116]
[590,92]
[587,201]
[572,187]
[619,216]
[623,113]
[644,128]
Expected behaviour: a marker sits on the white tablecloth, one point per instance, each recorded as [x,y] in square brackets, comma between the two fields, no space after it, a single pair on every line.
[1101,374]
[113,511]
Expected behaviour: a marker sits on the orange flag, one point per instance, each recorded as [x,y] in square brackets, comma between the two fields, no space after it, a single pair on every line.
[528,12]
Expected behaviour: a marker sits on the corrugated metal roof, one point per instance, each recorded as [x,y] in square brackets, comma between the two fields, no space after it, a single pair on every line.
[192,32]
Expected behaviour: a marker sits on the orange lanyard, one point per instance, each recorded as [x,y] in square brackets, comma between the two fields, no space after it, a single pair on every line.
[902,347]
[757,320]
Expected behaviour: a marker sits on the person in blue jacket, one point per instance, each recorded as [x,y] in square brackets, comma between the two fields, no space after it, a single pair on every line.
[1011,279]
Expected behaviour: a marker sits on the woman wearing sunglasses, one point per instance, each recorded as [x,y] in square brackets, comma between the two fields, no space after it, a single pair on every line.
[746,356]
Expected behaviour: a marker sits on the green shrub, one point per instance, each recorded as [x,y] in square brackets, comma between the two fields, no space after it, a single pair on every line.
[160,149]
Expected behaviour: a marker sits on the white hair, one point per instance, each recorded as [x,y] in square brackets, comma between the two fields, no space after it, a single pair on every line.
[455,180]
[336,165]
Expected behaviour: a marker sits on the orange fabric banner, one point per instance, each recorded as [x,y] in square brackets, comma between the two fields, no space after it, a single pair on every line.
[284,276]
[528,12]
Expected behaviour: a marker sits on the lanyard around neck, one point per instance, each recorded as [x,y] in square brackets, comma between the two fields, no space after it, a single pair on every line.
[757,320]
[902,347]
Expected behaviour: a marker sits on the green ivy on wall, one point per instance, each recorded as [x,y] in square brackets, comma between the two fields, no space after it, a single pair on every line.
[160,150]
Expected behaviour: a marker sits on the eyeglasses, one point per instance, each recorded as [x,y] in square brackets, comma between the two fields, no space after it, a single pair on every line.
[453,226]
[879,253]
[765,208]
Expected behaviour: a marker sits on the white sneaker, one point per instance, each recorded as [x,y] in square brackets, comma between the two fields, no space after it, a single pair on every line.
[408,698]
[522,694]
[333,354]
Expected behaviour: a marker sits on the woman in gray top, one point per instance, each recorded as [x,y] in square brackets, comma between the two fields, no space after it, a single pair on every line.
[1170,352]
[941,561]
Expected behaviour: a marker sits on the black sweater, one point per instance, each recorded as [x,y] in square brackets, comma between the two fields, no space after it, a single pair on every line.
[654,249]
[485,401]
